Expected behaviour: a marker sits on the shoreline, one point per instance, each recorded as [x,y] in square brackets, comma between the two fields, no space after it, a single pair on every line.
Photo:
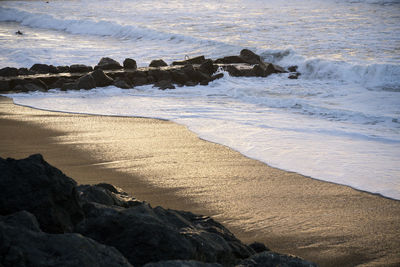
[205,140]
[72,143]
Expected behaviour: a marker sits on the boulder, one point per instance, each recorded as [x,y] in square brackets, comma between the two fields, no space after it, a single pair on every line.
[63,69]
[24,244]
[122,83]
[106,194]
[107,63]
[79,68]
[33,185]
[160,75]
[208,67]
[268,258]
[24,71]
[86,82]
[179,77]
[294,75]
[60,82]
[101,79]
[195,60]
[292,68]
[69,86]
[130,64]
[233,71]
[43,69]
[158,63]
[4,86]
[195,75]
[258,247]
[163,85]
[144,234]
[181,263]
[230,60]
[8,72]
[250,57]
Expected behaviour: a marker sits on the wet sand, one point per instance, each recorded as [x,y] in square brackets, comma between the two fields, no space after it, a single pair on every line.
[166,164]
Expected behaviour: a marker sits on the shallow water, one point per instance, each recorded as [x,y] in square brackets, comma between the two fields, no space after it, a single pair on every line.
[339,122]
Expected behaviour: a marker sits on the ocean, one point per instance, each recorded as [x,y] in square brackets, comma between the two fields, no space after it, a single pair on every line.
[339,122]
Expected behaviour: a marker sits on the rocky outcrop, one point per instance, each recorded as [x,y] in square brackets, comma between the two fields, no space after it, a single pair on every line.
[130,64]
[33,185]
[107,63]
[188,72]
[158,63]
[24,244]
[101,225]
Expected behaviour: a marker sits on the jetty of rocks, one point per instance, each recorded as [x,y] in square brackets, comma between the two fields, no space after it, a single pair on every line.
[189,72]
[46,219]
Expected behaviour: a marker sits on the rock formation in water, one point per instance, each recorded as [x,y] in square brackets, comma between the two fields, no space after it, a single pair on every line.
[189,72]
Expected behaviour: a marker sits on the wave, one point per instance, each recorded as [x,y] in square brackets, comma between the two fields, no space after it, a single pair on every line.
[89,27]
[372,76]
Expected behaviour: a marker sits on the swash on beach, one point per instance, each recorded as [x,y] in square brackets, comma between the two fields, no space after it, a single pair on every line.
[339,122]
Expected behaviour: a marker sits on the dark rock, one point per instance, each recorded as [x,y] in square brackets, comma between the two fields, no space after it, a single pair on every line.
[158,63]
[8,72]
[276,68]
[46,80]
[24,71]
[250,57]
[179,76]
[32,184]
[107,63]
[191,83]
[194,60]
[163,85]
[28,85]
[31,87]
[181,263]
[233,71]
[130,64]
[160,75]
[23,244]
[195,75]
[43,69]
[79,68]
[208,67]
[294,75]
[60,82]
[121,83]
[145,235]
[69,86]
[230,60]
[292,68]
[268,258]
[106,194]
[86,82]
[260,70]
[101,79]
[63,69]
[4,86]
[18,32]
[217,76]
[258,247]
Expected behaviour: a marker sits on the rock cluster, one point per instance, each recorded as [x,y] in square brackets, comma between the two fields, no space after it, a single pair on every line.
[189,72]
[46,219]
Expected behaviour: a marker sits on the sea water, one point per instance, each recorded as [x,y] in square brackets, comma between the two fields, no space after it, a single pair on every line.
[339,122]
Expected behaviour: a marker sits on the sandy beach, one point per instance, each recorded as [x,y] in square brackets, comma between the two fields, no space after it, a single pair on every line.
[165,164]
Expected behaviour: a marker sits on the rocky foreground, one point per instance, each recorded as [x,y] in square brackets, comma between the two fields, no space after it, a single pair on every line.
[189,72]
[46,219]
